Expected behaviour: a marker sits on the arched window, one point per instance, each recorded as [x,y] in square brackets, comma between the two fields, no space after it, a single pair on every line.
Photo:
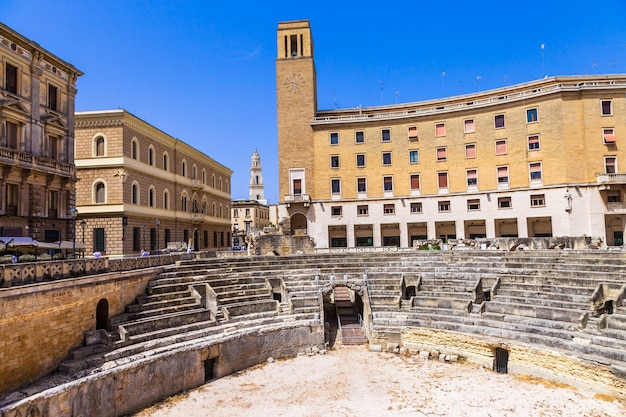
[165,162]
[203,176]
[227,212]
[196,206]
[135,193]
[152,197]
[134,149]
[213,181]
[221,189]
[227,186]
[99,146]
[184,168]
[204,206]
[221,210]
[100,193]
[194,172]
[166,200]
[213,209]
[184,202]
[151,155]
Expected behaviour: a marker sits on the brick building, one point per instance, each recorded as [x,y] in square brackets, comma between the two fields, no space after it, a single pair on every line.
[141,188]
[541,158]
[37,172]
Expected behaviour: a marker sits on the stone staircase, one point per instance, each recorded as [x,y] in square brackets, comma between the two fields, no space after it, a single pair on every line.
[348,318]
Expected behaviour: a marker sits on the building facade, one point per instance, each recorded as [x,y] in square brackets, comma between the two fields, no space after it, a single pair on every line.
[38,176]
[142,189]
[541,158]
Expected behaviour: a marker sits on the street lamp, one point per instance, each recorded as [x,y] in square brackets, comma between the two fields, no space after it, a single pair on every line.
[158,222]
[83,224]
[73,212]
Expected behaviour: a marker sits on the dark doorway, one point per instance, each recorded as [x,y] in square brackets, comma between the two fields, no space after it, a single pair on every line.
[501,363]
[209,369]
[102,315]
[409,292]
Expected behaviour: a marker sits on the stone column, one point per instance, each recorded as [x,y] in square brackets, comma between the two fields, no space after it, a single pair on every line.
[522,227]
[350,239]
[34,142]
[71,108]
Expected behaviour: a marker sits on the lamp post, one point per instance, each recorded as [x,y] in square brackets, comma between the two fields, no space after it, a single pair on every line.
[73,212]
[143,238]
[83,224]
[158,222]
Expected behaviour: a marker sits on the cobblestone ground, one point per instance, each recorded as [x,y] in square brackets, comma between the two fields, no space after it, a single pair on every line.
[351,381]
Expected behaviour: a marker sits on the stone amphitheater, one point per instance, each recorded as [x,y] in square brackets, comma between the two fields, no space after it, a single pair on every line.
[555,314]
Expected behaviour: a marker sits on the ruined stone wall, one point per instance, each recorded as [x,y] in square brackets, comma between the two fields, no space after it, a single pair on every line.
[284,245]
[40,323]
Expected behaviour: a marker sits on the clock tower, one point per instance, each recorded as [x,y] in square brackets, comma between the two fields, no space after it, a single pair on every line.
[296,103]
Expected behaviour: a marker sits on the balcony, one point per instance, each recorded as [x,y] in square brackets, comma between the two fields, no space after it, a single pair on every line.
[606,180]
[197,218]
[197,185]
[298,199]
[38,163]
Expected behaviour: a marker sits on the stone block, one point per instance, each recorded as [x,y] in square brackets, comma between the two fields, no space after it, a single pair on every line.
[376,348]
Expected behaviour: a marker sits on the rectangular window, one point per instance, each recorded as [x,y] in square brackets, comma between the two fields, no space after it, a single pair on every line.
[389,208]
[472,177]
[335,211]
[501,147]
[388,183]
[359,136]
[473,204]
[498,121]
[416,207]
[12,199]
[415,181]
[414,157]
[442,154]
[533,142]
[297,186]
[531,115]
[503,175]
[335,185]
[610,165]
[607,108]
[608,136]
[334,161]
[614,197]
[444,206]
[11,78]
[362,210]
[360,160]
[504,202]
[334,138]
[537,200]
[442,179]
[98,239]
[247,212]
[53,147]
[386,158]
[361,185]
[440,129]
[53,204]
[469,126]
[470,150]
[52,97]
[385,135]
[11,132]
[535,171]
[236,213]
[412,132]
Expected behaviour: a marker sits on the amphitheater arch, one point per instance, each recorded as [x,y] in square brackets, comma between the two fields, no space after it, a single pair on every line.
[298,223]
[102,314]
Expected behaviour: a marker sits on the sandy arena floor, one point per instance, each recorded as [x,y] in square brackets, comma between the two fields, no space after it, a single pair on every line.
[351,381]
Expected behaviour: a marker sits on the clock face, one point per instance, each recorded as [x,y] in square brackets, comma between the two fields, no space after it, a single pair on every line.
[294,81]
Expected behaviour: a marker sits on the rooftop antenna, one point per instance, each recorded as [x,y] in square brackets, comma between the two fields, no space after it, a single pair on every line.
[381,85]
[478,81]
[397,93]
[543,65]
[443,83]
[506,80]
[594,65]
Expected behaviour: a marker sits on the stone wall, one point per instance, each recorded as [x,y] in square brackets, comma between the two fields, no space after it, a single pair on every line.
[284,245]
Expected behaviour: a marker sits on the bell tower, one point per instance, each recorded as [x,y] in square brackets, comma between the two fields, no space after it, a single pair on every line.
[296,103]
[257,189]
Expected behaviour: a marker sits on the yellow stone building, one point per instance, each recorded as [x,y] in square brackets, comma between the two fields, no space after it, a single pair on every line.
[37,172]
[142,189]
[536,159]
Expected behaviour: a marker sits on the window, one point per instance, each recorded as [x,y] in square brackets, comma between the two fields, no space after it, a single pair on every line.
[444,206]
[334,161]
[359,136]
[386,158]
[151,156]
[12,199]
[504,202]
[416,207]
[247,212]
[100,192]
[440,129]
[151,197]
[503,175]
[235,212]
[334,138]
[53,203]
[442,154]
[610,165]
[53,146]
[194,172]
[501,147]
[135,193]
[52,97]
[531,115]
[385,135]
[362,210]
[11,78]
[412,130]
[11,133]
[204,176]
[608,135]
[533,142]
[165,162]
[415,182]
[472,177]
[335,211]
[388,183]
[183,168]
[335,185]
[99,146]
[442,179]
[535,171]
[134,149]
[607,108]
[361,185]
[183,204]
[297,186]
[614,197]
[98,239]
[166,200]
[360,160]
[498,121]
[470,150]
[389,208]
[468,126]
[537,200]
[473,204]
[414,157]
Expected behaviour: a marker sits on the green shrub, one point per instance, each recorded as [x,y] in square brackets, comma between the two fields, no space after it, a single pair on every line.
[27,258]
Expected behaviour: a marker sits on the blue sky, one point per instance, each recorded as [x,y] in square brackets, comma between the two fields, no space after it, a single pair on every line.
[203,71]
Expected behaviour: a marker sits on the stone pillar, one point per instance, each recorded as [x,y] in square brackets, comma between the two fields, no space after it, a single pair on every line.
[71,106]
[490,228]
[522,227]
[34,142]
[459,227]
[350,239]
[404,236]
[431,230]
[376,235]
